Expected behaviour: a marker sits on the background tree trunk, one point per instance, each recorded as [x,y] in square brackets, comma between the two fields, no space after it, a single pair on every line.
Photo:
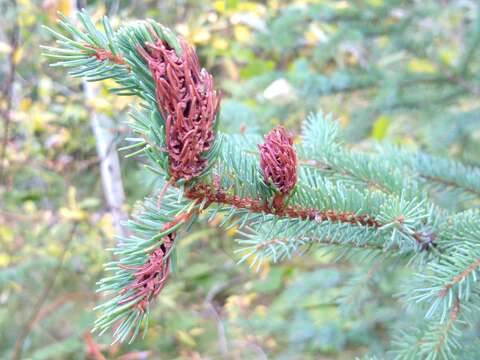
[102,127]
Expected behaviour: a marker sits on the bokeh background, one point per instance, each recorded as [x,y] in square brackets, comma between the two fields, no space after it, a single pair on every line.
[387,70]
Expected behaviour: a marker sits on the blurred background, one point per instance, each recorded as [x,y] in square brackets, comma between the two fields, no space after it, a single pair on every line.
[388,70]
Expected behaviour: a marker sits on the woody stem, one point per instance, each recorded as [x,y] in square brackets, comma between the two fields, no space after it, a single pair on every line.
[205,192]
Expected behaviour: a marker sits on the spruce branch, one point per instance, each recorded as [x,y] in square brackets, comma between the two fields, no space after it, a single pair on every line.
[436,171]
[454,274]
[438,338]
[282,197]
[323,150]
[471,269]
[452,318]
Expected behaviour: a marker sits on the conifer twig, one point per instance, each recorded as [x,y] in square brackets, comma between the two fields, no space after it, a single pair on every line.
[450,183]
[210,194]
[448,326]
[459,277]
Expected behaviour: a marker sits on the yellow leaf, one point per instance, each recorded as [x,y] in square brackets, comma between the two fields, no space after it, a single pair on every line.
[69,214]
[25,104]
[273,5]
[55,6]
[375,3]
[65,7]
[343,119]
[447,56]
[106,224]
[18,55]
[4,260]
[261,311]
[73,212]
[421,66]
[231,306]
[271,343]
[123,102]
[197,331]
[250,6]
[109,83]
[351,59]
[220,44]
[186,339]
[383,41]
[27,17]
[29,207]
[6,235]
[315,33]
[16,287]
[53,249]
[242,33]
[380,127]
[45,87]
[219,6]
[232,231]
[40,118]
[72,195]
[99,104]
[199,36]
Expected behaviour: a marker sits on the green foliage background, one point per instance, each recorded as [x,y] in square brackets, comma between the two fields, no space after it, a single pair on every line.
[403,71]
